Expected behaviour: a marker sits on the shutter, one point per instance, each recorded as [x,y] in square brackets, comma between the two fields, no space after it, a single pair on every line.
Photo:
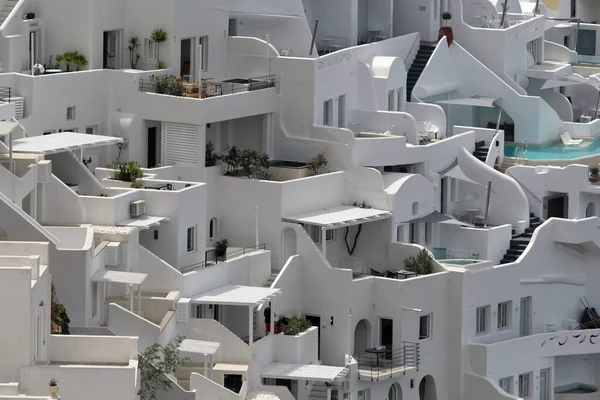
[179,144]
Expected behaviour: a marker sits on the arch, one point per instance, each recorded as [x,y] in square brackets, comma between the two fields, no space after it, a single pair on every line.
[395,392]
[362,337]
[427,388]
[590,210]
[288,244]
[213,228]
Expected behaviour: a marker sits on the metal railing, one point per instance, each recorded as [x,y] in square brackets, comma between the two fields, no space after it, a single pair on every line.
[374,367]
[212,88]
[5,93]
[212,258]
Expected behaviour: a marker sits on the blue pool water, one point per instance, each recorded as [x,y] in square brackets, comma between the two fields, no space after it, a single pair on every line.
[556,150]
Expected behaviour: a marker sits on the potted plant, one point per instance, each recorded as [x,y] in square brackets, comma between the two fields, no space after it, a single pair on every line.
[222,249]
[158,36]
[594,175]
[53,387]
[446,30]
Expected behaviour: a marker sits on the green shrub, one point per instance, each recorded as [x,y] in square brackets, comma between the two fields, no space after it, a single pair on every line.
[210,156]
[318,163]
[295,325]
[422,264]
[167,84]
[128,172]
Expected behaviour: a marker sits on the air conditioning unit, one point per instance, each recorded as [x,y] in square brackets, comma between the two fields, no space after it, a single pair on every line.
[183,310]
[137,208]
[44,174]
[112,254]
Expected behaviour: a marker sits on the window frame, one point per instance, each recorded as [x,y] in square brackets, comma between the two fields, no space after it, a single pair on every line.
[486,320]
[150,50]
[192,239]
[71,111]
[525,385]
[505,314]
[508,382]
[429,319]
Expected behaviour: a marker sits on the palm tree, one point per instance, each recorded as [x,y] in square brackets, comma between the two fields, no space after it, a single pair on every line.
[132,47]
[158,36]
[80,61]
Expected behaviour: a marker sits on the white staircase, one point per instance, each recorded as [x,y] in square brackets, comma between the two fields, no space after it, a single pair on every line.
[271,278]
[6,6]
[318,391]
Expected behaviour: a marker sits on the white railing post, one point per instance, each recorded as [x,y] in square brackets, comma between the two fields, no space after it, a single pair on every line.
[328,393]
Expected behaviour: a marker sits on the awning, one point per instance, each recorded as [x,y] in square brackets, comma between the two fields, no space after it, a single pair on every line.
[457,173]
[6,127]
[309,372]
[236,295]
[569,81]
[62,142]
[129,278]
[199,346]
[474,101]
[433,218]
[145,222]
[338,217]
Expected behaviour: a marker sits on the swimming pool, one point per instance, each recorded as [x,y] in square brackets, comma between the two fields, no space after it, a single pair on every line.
[456,261]
[555,150]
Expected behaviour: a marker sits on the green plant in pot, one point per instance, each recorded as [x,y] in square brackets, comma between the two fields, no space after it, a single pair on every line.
[53,388]
[446,30]
[594,174]
[222,249]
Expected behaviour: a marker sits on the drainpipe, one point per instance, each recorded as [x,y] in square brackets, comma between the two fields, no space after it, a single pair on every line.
[487,204]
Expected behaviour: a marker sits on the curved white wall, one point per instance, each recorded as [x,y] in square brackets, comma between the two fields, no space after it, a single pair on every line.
[405,189]
[508,202]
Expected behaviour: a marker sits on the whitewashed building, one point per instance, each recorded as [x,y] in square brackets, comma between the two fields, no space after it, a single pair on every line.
[469,154]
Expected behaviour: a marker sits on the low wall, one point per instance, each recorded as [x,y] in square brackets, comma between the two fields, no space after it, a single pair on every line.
[298,349]
[92,349]
[123,322]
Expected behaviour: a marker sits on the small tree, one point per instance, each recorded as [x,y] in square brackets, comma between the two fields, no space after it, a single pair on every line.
[58,314]
[232,159]
[210,156]
[80,61]
[318,163]
[421,264]
[158,36]
[155,363]
[253,162]
[133,44]
[446,16]
[504,11]
[296,325]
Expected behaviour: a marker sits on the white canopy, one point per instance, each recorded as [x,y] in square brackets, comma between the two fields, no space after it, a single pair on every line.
[457,173]
[474,101]
[144,222]
[62,142]
[6,127]
[236,295]
[311,372]
[130,278]
[199,346]
[340,216]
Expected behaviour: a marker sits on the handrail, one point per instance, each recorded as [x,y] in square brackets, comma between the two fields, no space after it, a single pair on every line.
[236,253]
[375,366]
[12,14]
[415,43]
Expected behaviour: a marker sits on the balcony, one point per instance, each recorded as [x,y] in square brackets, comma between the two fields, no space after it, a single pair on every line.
[207,88]
[387,364]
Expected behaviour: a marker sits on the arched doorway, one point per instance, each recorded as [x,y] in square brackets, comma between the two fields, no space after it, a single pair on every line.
[427,389]
[362,337]
[590,210]
[395,392]
[288,244]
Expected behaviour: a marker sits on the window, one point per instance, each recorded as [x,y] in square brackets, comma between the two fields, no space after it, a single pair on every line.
[203,41]
[70,113]
[545,384]
[483,320]
[327,112]
[94,299]
[191,239]
[364,394]
[525,385]
[506,384]
[453,189]
[424,327]
[525,317]
[415,208]
[391,100]
[427,233]
[91,130]
[48,132]
[342,111]
[150,48]
[504,314]
[212,229]
[573,8]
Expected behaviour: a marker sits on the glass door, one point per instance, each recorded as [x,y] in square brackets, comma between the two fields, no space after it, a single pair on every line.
[525,317]
[545,384]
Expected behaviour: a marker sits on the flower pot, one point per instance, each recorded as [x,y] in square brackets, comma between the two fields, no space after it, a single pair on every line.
[594,178]
[446,31]
[53,391]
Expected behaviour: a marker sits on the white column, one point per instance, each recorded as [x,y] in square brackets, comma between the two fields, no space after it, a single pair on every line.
[200,60]
[268,55]
[139,300]
[328,393]
[131,297]
[205,366]
[250,326]
[324,241]
[256,226]
[33,200]
[272,320]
